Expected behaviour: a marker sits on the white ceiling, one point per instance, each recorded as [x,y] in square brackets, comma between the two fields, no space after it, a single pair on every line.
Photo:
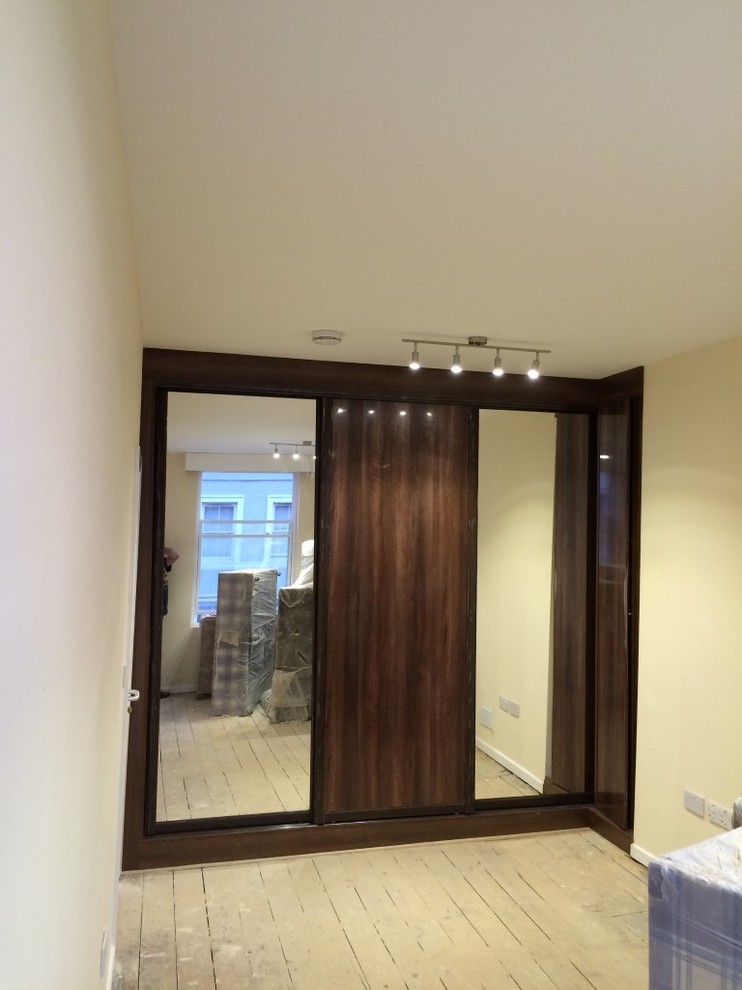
[564,174]
[237,424]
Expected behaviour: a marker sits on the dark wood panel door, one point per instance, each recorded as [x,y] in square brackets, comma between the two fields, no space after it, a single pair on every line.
[396,540]
[613,771]
[572,673]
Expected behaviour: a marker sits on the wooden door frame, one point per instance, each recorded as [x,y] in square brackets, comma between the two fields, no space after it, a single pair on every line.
[195,371]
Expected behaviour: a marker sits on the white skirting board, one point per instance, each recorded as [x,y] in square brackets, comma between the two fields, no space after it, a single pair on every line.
[110,966]
[640,855]
[537,783]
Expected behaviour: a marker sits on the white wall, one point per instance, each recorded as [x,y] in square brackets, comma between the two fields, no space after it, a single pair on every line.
[71,353]
[514,564]
[690,647]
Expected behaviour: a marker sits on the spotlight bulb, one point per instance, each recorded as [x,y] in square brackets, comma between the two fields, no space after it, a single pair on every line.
[415,359]
[456,363]
[276,455]
[533,371]
[497,370]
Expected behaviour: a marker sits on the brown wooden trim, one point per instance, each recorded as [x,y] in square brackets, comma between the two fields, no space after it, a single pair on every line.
[155,623]
[635,487]
[471,610]
[136,763]
[321,552]
[160,851]
[620,837]
[238,373]
[625,385]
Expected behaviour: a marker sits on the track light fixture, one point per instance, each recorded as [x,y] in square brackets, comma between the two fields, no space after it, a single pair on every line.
[306,446]
[497,370]
[477,343]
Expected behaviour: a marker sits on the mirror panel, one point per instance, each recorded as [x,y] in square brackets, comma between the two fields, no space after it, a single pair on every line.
[238,607]
[514,603]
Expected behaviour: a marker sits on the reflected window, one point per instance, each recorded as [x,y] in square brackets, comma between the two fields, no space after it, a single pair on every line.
[246,522]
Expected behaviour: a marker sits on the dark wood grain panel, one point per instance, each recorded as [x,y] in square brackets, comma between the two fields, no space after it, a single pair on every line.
[397,529]
[236,373]
[612,686]
[155,852]
[572,681]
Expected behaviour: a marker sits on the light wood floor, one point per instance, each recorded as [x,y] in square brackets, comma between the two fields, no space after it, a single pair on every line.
[552,911]
[214,767]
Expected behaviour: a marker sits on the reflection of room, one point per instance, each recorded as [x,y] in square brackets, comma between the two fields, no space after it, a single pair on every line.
[514,582]
[236,669]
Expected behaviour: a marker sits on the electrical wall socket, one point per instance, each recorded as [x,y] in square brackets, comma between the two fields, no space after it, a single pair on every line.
[486,717]
[719,815]
[694,802]
[509,706]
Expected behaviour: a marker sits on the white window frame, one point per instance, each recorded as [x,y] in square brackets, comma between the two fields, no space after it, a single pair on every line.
[271,501]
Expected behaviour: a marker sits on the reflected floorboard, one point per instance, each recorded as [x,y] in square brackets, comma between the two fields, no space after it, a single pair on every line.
[557,910]
[227,765]
[212,767]
[492,780]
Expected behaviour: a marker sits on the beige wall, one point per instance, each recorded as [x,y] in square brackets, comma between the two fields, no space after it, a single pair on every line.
[690,645]
[69,407]
[180,640]
[516,510]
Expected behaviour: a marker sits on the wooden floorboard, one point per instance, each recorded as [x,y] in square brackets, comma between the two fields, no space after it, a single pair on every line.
[545,911]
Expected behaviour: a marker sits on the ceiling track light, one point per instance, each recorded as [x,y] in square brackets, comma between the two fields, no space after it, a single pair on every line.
[477,343]
[497,370]
[306,446]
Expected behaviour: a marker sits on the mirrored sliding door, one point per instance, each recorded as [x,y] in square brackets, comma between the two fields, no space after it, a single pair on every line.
[236,652]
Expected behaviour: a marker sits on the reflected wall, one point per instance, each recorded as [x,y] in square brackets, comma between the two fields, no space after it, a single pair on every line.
[514,602]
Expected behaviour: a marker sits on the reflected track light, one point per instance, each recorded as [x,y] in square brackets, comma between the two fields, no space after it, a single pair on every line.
[293,445]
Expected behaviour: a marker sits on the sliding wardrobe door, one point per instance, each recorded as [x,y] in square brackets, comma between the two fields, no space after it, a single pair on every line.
[617,600]
[397,532]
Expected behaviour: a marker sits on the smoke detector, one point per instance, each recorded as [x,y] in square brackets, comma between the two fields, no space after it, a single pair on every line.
[326,337]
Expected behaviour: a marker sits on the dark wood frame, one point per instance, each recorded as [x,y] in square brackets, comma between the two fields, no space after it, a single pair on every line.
[149,846]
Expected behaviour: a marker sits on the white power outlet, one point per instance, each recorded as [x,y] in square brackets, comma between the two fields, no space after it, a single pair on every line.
[694,802]
[509,706]
[719,815]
